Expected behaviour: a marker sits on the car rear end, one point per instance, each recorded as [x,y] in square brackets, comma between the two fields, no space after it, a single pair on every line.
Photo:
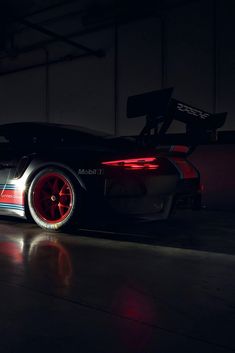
[151,185]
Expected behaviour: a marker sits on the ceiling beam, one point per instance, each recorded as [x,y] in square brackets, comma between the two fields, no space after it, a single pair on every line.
[61,38]
[53,20]
[47,8]
[92,29]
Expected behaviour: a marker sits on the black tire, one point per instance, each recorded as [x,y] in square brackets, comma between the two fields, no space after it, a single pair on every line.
[54,200]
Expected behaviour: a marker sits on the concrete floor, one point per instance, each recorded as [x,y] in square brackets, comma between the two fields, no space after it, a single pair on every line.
[156,287]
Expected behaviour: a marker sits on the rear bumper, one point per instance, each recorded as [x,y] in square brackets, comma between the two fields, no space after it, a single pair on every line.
[146,194]
[153,196]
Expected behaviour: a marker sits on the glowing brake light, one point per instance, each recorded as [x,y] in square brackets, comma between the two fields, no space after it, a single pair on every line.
[134,163]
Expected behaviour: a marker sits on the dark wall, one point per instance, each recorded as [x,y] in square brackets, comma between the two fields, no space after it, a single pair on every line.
[216,164]
[190,47]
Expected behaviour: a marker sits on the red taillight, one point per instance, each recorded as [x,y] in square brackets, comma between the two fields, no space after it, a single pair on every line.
[134,163]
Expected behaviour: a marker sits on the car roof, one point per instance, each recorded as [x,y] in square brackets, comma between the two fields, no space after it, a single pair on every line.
[37,128]
[42,135]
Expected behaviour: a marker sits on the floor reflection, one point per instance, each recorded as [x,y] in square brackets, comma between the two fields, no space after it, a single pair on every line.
[12,249]
[139,308]
[112,295]
[40,257]
[50,260]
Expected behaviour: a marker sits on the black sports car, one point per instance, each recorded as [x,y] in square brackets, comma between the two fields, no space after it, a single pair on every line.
[60,175]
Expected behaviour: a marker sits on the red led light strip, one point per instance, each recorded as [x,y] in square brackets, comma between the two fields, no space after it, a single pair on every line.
[134,163]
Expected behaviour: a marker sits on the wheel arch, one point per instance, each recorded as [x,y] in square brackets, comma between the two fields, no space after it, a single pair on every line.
[31,175]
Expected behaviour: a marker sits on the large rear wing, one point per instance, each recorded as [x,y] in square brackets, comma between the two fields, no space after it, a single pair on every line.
[161,109]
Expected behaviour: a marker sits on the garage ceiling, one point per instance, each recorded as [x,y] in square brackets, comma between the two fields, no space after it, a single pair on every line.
[56,26]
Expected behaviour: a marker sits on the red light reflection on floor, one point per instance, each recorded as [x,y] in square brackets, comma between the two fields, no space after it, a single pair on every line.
[139,308]
[12,250]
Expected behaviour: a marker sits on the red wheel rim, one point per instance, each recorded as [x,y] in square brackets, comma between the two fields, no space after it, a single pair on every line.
[53,198]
